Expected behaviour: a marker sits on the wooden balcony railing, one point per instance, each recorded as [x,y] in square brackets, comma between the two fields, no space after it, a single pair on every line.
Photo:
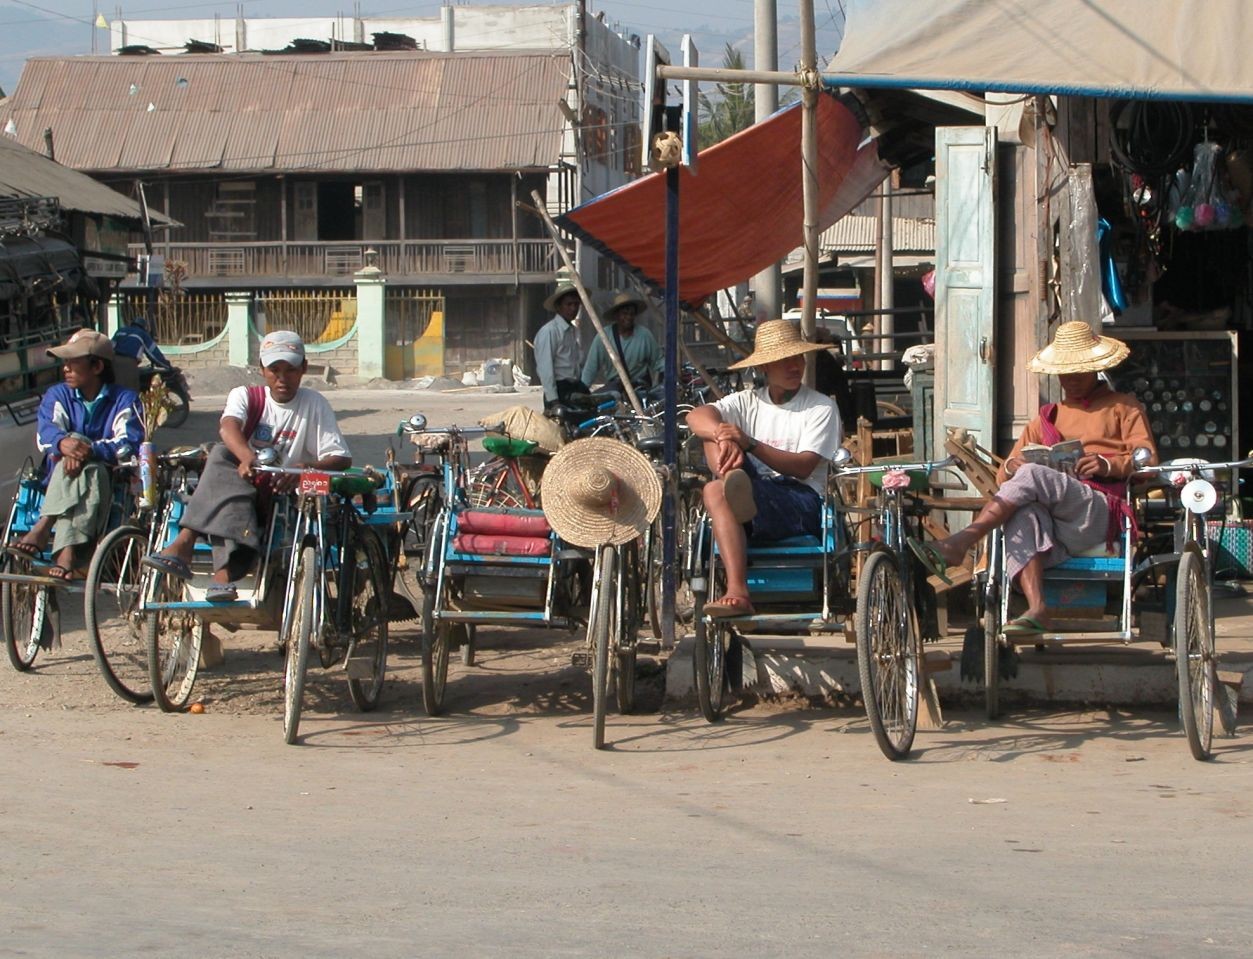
[395,257]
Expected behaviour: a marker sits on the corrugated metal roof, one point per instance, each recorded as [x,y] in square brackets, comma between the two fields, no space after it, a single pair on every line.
[857,234]
[337,112]
[26,173]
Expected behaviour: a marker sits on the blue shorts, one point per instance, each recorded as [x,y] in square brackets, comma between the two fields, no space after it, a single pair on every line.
[786,507]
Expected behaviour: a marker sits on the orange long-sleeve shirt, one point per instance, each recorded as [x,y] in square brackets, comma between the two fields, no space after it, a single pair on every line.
[1110,424]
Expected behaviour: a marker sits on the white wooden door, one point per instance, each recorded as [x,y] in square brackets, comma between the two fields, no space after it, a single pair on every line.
[965,282]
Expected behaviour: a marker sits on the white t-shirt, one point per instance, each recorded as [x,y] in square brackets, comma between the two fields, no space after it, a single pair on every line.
[807,423]
[302,431]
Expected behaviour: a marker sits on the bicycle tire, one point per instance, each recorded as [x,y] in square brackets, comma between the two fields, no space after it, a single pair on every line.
[176,415]
[369,613]
[436,647]
[599,631]
[23,615]
[114,580]
[299,635]
[1194,653]
[709,662]
[888,656]
[494,484]
[992,647]
[627,629]
[172,638]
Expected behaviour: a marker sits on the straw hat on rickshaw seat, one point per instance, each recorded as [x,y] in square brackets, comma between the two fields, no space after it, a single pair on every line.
[600,492]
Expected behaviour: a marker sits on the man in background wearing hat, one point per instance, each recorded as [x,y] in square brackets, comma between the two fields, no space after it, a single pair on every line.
[558,357]
[294,421]
[768,449]
[636,346]
[1048,514]
[85,424]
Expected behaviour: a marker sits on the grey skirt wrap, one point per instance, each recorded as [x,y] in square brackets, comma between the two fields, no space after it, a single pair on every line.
[224,510]
[1058,516]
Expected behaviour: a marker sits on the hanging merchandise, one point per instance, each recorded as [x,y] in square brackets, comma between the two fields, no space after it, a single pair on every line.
[1111,285]
[1206,200]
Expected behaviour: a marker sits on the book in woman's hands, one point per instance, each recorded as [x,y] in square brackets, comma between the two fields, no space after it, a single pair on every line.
[1063,456]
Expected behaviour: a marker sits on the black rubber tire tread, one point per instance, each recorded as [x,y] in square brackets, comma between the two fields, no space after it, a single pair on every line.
[709,663]
[176,415]
[117,642]
[883,608]
[600,632]
[467,648]
[17,608]
[299,636]
[171,685]
[1194,653]
[436,647]
[368,545]
[628,627]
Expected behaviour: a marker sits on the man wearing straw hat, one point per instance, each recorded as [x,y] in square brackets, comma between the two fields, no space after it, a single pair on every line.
[768,450]
[558,356]
[1048,514]
[636,346]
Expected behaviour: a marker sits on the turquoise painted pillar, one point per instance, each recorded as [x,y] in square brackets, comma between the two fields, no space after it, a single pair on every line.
[370,310]
[238,314]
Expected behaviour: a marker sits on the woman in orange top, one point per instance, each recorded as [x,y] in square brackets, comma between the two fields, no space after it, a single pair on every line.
[1048,514]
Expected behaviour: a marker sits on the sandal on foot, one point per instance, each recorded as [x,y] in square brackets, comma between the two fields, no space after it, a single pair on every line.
[930,557]
[170,565]
[1024,626]
[221,593]
[58,572]
[728,607]
[23,550]
[737,487]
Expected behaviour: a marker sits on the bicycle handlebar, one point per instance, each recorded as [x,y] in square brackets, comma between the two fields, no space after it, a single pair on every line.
[1192,467]
[902,467]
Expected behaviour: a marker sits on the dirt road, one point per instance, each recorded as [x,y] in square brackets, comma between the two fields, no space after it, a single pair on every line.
[498,830]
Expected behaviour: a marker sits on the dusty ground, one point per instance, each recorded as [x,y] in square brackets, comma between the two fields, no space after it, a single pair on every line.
[498,830]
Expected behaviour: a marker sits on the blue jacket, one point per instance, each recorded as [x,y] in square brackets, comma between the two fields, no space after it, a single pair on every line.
[137,343]
[116,422]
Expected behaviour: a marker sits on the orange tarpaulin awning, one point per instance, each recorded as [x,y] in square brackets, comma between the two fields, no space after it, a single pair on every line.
[743,210]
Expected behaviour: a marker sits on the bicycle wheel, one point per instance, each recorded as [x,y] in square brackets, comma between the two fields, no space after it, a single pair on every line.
[1194,652]
[887,654]
[299,634]
[599,630]
[421,498]
[627,629]
[112,613]
[172,640]
[369,616]
[709,661]
[24,614]
[436,646]
[992,646]
[494,484]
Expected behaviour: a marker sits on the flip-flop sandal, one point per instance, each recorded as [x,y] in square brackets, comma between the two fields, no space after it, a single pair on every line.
[729,607]
[23,550]
[169,565]
[58,572]
[930,557]
[221,593]
[737,487]
[1024,626]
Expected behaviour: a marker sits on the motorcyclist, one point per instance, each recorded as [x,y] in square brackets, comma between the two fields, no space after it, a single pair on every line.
[133,345]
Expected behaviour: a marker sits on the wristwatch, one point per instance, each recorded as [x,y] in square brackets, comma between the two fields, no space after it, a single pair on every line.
[752,445]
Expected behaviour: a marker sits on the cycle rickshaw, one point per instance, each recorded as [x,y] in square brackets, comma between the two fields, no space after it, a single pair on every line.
[811,585]
[30,600]
[321,579]
[1102,598]
[508,566]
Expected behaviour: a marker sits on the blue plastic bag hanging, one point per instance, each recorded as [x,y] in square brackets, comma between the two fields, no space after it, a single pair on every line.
[1111,285]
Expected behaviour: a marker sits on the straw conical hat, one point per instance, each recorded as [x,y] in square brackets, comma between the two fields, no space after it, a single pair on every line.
[599,492]
[628,299]
[1077,348]
[775,340]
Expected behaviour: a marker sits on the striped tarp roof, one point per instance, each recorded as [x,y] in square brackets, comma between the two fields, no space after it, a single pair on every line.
[335,112]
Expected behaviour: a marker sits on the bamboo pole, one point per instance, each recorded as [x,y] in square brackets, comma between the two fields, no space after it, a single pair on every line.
[809,182]
[586,297]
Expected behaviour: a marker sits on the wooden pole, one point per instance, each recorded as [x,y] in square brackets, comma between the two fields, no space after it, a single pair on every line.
[586,297]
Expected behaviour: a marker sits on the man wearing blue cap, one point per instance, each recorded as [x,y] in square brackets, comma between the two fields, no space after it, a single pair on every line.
[295,422]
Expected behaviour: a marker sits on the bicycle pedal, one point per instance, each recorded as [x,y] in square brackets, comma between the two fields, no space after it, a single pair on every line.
[581,659]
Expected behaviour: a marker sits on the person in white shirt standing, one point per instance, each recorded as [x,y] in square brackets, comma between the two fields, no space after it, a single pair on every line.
[296,422]
[768,450]
[558,355]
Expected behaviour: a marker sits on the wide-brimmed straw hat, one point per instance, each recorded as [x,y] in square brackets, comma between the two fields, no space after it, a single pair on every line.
[563,288]
[599,492]
[1077,348]
[628,299]
[775,340]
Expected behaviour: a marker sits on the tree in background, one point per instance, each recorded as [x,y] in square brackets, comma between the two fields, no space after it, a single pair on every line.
[730,109]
